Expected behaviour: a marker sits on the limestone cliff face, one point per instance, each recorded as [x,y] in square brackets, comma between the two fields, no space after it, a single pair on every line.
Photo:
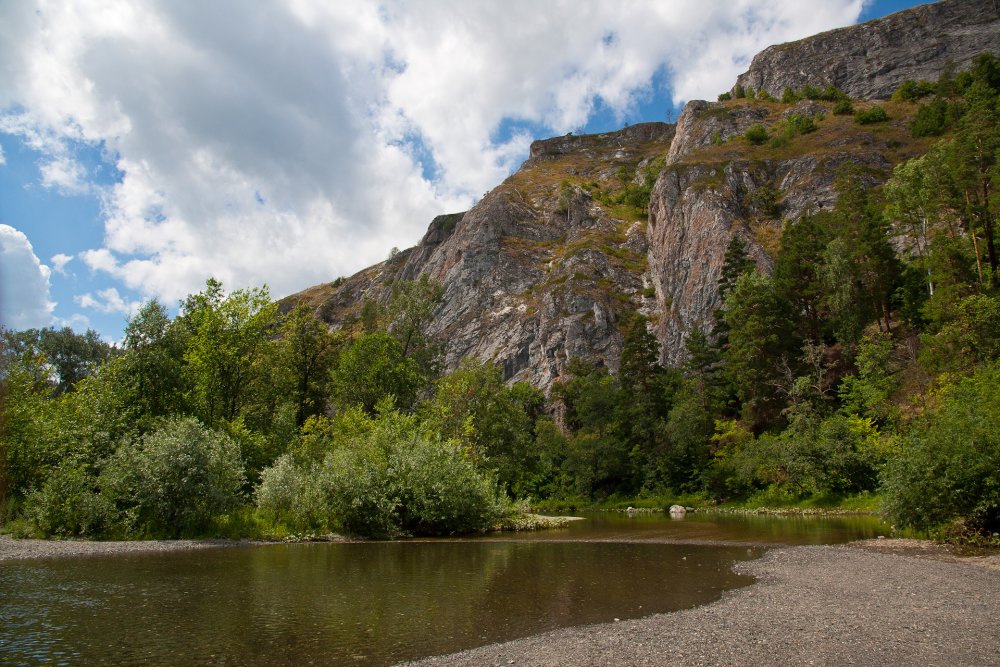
[705,197]
[870,60]
[539,271]
[546,265]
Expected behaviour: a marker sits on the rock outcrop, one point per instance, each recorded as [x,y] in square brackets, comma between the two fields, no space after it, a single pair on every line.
[547,265]
[539,271]
[870,60]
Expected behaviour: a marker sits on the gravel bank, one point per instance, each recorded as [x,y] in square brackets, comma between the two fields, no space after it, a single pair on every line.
[11,549]
[865,604]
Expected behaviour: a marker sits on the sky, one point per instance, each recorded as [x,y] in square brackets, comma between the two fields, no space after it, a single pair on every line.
[147,145]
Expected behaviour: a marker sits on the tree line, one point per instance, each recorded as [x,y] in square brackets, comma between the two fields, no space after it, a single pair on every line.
[866,363]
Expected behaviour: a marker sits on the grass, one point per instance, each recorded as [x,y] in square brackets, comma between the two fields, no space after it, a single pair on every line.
[833,134]
[764,502]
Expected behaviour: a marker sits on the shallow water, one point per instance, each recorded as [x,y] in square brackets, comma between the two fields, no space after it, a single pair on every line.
[376,603]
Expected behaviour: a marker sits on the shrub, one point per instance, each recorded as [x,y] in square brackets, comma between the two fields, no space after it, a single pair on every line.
[789,96]
[843,107]
[932,120]
[68,504]
[911,91]
[724,97]
[385,477]
[948,468]
[875,114]
[175,480]
[756,134]
[800,123]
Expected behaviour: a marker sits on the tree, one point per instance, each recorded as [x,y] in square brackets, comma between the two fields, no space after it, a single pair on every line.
[760,342]
[306,353]
[974,165]
[947,468]
[410,312]
[798,272]
[372,369]
[473,407]
[70,356]
[229,338]
[153,363]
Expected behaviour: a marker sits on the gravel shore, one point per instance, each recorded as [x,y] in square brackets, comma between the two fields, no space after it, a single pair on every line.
[877,602]
[883,602]
[11,549]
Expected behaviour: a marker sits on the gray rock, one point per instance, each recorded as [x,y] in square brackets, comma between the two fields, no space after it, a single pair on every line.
[870,60]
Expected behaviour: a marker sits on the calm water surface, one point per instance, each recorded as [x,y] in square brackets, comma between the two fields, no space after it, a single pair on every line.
[377,603]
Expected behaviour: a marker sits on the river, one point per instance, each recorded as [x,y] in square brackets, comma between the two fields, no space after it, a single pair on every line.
[378,603]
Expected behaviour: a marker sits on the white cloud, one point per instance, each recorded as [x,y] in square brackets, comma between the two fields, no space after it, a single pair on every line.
[3,159]
[283,143]
[24,283]
[59,262]
[64,174]
[108,301]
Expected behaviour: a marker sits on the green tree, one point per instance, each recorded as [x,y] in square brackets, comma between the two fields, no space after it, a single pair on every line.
[306,353]
[473,407]
[70,356]
[760,343]
[372,368]
[152,373]
[229,341]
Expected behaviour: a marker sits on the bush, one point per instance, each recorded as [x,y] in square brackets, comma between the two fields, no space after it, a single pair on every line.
[385,477]
[68,504]
[756,134]
[175,480]
[911,91]
[875,114]
[949,468]
[932,120]
[725,97]
[843,107]
[800,123]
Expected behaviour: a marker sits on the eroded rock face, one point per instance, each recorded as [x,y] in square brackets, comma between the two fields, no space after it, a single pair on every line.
[539,271]
[870,60]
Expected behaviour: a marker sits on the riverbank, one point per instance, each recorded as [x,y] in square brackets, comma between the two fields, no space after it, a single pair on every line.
[24,549]
[877,602]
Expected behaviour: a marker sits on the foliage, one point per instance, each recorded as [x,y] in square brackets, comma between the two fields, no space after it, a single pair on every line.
[913,91]
[756,134]
[873,114]
[947,469]
[68,356]
[843,107]
[174,480]
[384,476]
[69,504]
[374,367]
[474,407]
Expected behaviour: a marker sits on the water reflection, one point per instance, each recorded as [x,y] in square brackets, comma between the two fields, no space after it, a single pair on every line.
[361,604]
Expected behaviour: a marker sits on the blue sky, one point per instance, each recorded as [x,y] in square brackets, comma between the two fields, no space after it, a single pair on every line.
[148,144]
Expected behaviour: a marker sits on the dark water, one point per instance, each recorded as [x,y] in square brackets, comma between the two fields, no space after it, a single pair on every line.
[375,603]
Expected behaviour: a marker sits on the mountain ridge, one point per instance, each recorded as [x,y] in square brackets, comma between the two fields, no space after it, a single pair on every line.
[593,229]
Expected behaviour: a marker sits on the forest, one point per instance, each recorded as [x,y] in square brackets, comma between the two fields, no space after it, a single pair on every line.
[862,372]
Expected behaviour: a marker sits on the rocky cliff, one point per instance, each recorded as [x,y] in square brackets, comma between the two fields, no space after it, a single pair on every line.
[870,60]
[594,228]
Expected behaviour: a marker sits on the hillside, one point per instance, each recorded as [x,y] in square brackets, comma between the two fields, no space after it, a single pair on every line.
[546,265]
